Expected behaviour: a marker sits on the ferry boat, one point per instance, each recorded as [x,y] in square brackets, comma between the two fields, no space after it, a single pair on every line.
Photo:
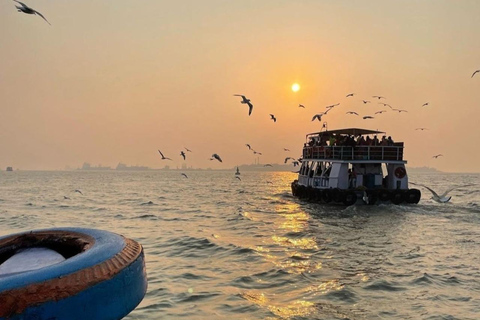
[348,167]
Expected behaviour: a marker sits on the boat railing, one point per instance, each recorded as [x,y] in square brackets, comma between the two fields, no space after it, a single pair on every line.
[392,153]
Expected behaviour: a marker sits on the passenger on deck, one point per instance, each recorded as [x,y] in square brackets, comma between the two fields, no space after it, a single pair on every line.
[384,141]
[352,178]
[390,141]
[375,140]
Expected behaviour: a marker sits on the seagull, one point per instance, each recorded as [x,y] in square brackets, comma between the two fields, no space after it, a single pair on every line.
[267,165]
[378,97]
[301,106]
[443,197]
[438,155]
[399,110]
[163,157]
[76,190]
[238,178]
[386,105]
[182,154]
[380,112]
[352,112]
[273,117]
[318,116]
[425,104]
[246,101]
[216,156]
[183,174]
[295,163]
[368,117]
[26,9]
[255,152]
[332,105]
[249,147]
[421,129]
[66,198]
[365,101]
[288,158]
[475,72]
[350,95]
[188,149]
[285,149]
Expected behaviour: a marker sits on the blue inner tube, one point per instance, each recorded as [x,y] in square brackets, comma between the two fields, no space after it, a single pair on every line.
[102,278]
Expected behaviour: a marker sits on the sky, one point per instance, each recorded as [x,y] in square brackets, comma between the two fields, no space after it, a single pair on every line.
[115,81]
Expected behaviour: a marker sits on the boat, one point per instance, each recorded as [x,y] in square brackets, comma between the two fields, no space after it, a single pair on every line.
[347,166]
[238,172]
[9,169]
[70,273]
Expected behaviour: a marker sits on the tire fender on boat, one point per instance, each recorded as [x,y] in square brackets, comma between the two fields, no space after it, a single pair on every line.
[350,198]
[103,276]
[397,196]
[413,196]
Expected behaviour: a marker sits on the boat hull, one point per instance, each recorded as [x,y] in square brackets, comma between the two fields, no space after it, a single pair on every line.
[348,197]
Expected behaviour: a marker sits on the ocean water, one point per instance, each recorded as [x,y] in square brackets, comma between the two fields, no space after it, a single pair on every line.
[220,248]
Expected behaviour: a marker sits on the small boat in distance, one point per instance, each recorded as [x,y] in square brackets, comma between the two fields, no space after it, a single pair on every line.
[238,172]
[9,169]
[347,166]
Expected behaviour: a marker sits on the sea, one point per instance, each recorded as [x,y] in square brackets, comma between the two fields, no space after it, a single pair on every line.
[218,247]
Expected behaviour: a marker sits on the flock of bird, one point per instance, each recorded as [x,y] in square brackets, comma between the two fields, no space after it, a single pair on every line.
[439,198]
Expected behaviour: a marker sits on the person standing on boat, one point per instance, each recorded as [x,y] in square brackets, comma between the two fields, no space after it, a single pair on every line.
[352,178]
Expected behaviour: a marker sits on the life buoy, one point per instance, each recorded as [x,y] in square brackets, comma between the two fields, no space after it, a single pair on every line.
[350,198]
[413,196]
[400,172]
[102,277]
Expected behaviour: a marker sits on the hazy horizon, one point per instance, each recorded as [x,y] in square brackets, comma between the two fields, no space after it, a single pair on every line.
[115,82]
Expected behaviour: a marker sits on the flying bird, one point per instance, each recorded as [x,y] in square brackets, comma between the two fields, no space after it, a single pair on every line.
[183,174]
[238,178]
[475,72]
[163,157]
[273,117]
[301,106]
[425,104]
[249,147]
[399,110]
[318,116]
[386,105]
[378,97]
[26,9]
[188,149]
[216,156]
[332,106]
[76,190]
[182,154]
[380,112]
[285,149]
[246,101]
[295,163]
[443,197]
[352,112]
[365,101]
[350,95]
[256,152]
[66,198]
[288,158]
[368,117]
[421,129]
[438,155]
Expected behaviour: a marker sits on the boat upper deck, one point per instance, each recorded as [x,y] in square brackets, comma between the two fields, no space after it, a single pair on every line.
[351,145]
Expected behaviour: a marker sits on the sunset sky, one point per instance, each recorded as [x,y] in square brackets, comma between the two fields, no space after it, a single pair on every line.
[113,81]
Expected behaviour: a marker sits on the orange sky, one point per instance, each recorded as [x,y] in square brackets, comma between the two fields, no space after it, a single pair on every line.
[113,82]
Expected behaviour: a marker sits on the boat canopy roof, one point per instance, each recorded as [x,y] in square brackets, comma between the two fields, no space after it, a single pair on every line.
[349,131]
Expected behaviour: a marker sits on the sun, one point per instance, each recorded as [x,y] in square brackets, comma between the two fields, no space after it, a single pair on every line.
[295,87]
